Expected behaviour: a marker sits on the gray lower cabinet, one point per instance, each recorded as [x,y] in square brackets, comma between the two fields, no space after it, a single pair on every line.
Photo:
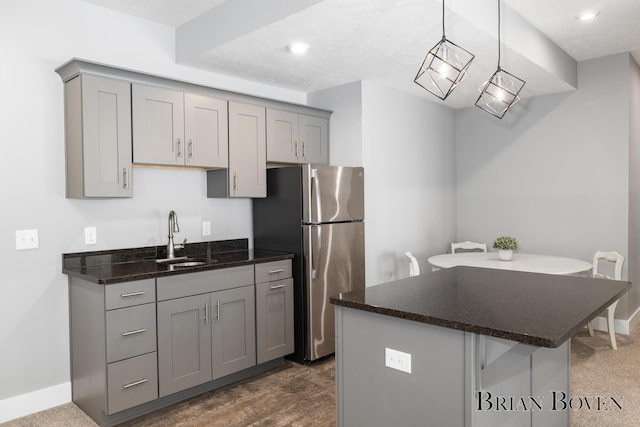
[113,346]
[274,310]
[296,138]
[184,343]
[97,137]
[204,335]
[247,172]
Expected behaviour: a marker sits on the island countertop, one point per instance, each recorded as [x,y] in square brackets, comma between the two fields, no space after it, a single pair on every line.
[538,309]
[125,265]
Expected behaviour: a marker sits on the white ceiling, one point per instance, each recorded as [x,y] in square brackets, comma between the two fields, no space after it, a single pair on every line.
[384,41]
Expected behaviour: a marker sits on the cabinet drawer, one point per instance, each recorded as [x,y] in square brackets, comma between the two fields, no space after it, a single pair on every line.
[185,285]
[131,331]
[271,271]
[132,382]
[127,294]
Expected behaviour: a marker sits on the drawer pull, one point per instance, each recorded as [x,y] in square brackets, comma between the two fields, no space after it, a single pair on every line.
[135,383]
[280,270]
[133,294]
[137,331]
[278,286]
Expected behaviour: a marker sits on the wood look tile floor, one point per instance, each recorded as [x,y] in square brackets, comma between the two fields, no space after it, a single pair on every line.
[291,395]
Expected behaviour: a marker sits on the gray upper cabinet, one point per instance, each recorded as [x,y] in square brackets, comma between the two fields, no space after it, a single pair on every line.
[98,137]
[174,128]
[205,131]
[296,138]
[247,172]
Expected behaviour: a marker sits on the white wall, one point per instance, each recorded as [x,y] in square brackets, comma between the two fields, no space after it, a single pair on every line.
[633,297]
[36,36]
[407,147]
[555,171]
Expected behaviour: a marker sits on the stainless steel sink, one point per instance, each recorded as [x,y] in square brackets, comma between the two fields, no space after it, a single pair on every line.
[184,262]
[188,264]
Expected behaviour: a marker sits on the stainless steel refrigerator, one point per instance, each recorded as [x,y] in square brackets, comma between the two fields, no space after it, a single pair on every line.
[315,212]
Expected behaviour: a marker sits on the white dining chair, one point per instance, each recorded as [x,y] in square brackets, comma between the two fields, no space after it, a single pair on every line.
[414,267]
[618,260]
[468,246]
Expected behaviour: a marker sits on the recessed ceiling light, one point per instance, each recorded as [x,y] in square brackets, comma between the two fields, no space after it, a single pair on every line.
[298,48]
[588,15]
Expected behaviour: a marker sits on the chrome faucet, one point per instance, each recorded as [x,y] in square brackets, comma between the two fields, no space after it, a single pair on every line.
[173,228]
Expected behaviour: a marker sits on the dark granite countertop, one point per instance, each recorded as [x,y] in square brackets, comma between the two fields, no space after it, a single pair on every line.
[126,265]
[538,309]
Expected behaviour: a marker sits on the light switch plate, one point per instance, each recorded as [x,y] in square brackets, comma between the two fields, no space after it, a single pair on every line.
[206,228]
[90,236]
[27,239]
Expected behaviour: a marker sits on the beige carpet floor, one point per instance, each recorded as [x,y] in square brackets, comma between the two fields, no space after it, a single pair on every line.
[304,395]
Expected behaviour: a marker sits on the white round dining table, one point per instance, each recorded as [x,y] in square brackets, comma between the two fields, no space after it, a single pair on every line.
[532,263]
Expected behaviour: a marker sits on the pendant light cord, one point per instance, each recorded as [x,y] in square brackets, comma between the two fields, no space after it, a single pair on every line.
[498,34]
[443,36]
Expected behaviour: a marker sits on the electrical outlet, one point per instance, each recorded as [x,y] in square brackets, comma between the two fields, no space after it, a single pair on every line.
[27,239]
[206,228]
[90,236]
[397,360]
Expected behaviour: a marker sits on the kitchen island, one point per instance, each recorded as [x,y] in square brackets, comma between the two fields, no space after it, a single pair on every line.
[468,347]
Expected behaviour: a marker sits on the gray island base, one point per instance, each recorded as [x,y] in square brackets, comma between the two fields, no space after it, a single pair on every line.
[462,347]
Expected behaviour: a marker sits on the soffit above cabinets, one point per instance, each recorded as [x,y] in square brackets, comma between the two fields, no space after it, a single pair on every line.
[384,41]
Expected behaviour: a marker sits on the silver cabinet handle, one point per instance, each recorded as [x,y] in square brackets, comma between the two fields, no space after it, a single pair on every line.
[190,149]
[278,286]
[235,181]
[280,270]
[137,331]
[125,178]
[133,294]
[296,144]
[179,144]
[304,149]
[206,313]
[135,383]
[218,311]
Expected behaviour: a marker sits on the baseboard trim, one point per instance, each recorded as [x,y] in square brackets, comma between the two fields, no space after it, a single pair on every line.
[36,401]
[621,326]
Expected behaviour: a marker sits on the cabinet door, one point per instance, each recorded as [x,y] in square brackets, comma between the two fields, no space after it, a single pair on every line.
[158,125]
[282,136]
[274,315]
[184,343]
[98,137]
[234,335]
[206,133]
[247,151]
[314,139]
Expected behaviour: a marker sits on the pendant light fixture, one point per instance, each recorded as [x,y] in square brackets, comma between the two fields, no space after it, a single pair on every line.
[444,67]
[500,93]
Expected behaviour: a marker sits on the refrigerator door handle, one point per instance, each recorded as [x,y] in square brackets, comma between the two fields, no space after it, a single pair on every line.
[316,253]
[315,192]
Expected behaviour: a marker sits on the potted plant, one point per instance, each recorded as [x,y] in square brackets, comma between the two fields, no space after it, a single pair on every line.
[505,246]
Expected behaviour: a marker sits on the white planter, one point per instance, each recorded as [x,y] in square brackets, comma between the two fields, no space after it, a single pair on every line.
[505,254]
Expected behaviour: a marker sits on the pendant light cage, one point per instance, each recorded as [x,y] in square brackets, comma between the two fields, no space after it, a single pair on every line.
[500,93]
[443,68]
